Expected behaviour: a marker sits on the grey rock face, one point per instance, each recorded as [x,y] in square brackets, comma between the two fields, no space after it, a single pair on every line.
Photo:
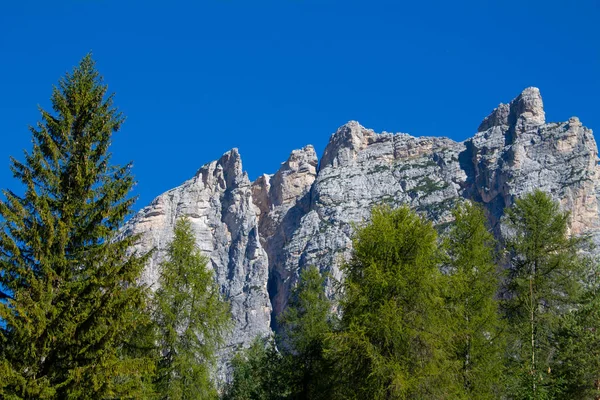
[218,202]
[259,236]
[285,200]
[528,106]
[518,154]
[360,169]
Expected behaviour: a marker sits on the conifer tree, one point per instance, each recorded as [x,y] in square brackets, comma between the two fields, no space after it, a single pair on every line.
[305,324]
[475,327]
[390,341]
[260,372]
[577,361]
[543,285]
[68,286]
[191,319]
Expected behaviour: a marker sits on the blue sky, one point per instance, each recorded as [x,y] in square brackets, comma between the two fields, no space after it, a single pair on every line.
[197,78]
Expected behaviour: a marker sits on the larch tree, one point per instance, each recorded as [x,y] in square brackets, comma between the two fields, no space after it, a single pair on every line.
[544,284]
[390,343]
[191,319]
[475,339]
[67,280]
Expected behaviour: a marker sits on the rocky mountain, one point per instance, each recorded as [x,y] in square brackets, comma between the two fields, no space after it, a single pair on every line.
[259,235]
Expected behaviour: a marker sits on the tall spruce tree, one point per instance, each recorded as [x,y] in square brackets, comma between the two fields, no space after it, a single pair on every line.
[191,318]
[390,344]
[476,342]
[305,325]
[67,283]
[544,284]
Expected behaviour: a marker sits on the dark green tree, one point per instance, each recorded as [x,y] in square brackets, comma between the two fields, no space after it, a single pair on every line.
[67,280]
[475,344]
[390,344]
[298,368]
[305,325]
[577,361]
[544,284]
[259,373]
[191,318]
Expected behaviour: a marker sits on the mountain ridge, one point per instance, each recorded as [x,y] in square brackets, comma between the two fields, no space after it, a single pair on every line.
[259,235]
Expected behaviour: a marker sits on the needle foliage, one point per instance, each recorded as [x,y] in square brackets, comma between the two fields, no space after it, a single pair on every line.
[69,297]
[191,320]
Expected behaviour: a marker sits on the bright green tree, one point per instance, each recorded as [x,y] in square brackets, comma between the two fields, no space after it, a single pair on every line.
[475,343]
[544,283]
[305,324]
[191,318]
[67,280]
[390,344]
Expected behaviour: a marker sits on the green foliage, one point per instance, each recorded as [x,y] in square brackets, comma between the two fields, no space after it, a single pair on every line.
[392,324]
[427,185]
[298,370]
[191,319]
[305,325]
[259,373]
[408,331]
[75,324]
[476,345]
[68,284]
[577,360]
[543,286]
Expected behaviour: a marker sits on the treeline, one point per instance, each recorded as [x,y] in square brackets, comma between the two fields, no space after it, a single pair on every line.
[451,317]
[419,315]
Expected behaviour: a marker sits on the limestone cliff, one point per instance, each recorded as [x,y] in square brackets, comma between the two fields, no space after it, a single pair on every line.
[259,235]
[218,202]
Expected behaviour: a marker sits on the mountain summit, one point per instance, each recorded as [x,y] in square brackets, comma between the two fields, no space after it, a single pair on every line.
[260,235]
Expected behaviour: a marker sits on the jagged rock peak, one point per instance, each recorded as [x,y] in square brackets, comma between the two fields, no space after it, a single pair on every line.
[301,160]
[231,162]
[349,139]
[528,106]
[295,176]
[305,154]
[227,170]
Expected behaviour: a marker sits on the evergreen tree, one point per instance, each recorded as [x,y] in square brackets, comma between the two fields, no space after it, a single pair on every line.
[259,373]
[390,345]
[544,283]
[475,341]
[191,319]
[577,362]
[305,324]
[68,286]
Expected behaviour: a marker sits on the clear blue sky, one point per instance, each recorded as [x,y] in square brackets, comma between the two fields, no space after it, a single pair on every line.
[197,78]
